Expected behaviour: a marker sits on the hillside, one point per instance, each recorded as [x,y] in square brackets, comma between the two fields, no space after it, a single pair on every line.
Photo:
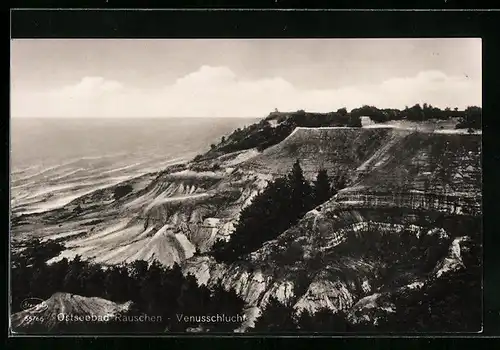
[424,185]
[407,222]
[172,215]
[277,126]
[337,149]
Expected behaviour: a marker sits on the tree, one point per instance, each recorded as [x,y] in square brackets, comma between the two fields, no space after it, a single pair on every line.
[300,190]
[354,122]
[223,139]
[324,321]
[115,284]
[227,303]
[93,277]
[57,273]
[72,280]
[368,111]
[276,317]
[339,183]
[192,300]
[322,190]
[416,113]
[282,203]
[220,250]
[264,219]
[342,111]
[292,254]
[471,119]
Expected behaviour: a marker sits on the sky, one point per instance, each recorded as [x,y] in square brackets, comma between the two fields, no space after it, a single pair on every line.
[238,78]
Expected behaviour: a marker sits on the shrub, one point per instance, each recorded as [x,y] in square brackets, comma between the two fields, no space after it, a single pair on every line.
[293,253]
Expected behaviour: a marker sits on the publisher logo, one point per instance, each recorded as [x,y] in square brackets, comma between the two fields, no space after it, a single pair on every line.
[29,303]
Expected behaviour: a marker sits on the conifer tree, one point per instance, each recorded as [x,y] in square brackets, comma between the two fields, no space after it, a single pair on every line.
[339,183]
[276,317]
[72,281]
[300,191]
[324,321]
[228,303]
[273,211]
[322,189]
[93,279]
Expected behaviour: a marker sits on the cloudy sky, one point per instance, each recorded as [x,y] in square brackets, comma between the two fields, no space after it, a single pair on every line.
[238,78]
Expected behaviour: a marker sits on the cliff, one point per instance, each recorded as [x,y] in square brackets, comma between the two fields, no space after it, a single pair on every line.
[401,183]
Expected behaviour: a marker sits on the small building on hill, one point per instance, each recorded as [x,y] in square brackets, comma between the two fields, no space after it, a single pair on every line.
[366,121]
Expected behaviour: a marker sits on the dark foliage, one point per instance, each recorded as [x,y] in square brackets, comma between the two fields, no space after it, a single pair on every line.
[323,321]
[472,119]
[373,112]
[300,191]
[277,317]
[280,318]
[322,189]
[414,113]
[121,191]
[263,220]
[293,253]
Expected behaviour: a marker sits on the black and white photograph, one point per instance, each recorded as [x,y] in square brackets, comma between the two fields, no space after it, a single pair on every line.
[251,186]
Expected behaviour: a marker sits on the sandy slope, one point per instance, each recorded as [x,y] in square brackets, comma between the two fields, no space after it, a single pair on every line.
[65,307]
[183,210]
[202,206]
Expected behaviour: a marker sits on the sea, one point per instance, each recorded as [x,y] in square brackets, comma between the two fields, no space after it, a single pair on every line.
[56,160]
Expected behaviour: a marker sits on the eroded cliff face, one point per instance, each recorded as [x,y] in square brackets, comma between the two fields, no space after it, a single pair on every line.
[401,183]
[416,184]
[176,214]
[340,150]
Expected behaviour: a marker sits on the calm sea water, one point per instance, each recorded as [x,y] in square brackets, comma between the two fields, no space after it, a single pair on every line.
[54,161]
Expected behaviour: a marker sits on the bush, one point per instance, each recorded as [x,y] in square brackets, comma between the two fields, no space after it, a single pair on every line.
[293,253]
[472,119]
